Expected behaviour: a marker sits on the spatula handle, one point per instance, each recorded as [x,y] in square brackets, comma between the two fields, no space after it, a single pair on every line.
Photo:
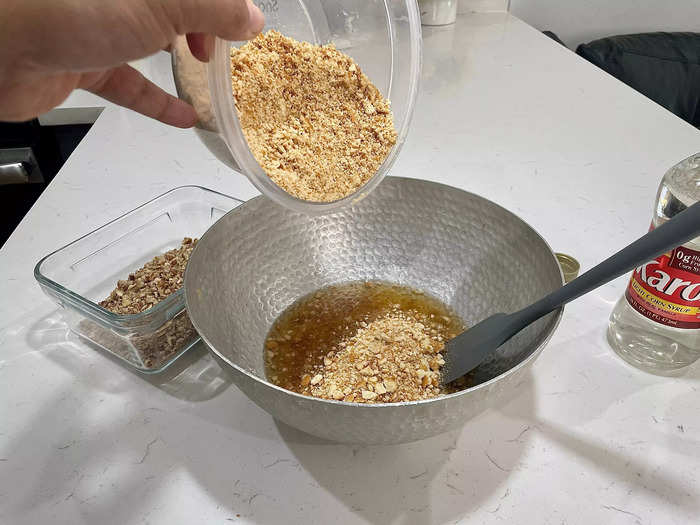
[680,229]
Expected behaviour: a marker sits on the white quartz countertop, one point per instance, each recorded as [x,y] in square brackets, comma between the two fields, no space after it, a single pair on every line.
[504,112]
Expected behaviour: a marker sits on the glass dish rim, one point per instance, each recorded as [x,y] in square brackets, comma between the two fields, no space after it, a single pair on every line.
[91,307]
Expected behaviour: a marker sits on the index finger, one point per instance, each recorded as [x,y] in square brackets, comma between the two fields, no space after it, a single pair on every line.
[129,88]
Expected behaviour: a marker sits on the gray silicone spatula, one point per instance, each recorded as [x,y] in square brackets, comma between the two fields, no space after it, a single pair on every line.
[468,349]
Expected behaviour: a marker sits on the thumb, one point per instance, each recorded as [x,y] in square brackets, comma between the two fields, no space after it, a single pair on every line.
[227,19]
[89,35]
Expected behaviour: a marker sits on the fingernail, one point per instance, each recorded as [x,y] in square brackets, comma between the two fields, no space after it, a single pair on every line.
[257,19]
[201,46]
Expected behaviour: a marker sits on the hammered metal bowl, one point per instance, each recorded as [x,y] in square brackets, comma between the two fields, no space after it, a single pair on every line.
[469,252]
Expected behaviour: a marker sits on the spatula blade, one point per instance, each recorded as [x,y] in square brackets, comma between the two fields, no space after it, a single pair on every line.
[466,351]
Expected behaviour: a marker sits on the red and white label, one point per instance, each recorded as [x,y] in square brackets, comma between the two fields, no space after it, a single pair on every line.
[667,290]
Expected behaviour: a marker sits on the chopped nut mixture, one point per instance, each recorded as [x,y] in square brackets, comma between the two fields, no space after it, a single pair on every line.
[144,288]
[315,123]
[149,350]
[152,283]
[362,343]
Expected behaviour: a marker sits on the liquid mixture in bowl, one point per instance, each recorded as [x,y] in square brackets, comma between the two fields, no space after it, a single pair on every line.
[363,342]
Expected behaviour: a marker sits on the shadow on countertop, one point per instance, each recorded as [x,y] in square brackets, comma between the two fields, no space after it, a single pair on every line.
[193,377]
[268,473]
[438,480]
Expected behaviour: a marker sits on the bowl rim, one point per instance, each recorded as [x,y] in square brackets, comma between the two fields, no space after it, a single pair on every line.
[559,312]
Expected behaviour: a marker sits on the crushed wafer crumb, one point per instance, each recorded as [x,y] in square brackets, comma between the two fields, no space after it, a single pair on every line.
[315,123]
[394,358]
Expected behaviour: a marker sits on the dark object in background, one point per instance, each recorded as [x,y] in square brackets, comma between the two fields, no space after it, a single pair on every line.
[49,147]
[663,66]
[554,37]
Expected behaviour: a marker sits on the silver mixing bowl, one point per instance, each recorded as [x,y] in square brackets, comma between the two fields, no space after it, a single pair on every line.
[469,252]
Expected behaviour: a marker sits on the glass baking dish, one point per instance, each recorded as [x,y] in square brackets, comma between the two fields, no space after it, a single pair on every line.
[83,273]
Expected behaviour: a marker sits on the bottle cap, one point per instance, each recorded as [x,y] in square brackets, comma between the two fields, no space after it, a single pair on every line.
[569,266]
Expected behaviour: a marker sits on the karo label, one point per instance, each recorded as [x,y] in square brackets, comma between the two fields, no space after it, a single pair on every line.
[667,290]
[686,259]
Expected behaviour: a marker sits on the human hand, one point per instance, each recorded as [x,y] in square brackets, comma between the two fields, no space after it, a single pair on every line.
[48,48]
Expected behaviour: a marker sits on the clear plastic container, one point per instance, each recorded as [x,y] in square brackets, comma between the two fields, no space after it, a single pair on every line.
[85,271]
[438,12]
[383,37]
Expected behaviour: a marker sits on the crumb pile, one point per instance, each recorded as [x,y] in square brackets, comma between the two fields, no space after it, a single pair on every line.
[394,358]
[315,123]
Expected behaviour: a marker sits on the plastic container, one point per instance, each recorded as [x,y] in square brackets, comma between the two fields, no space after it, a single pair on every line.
[85,271]
[383,37]
[438,12]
